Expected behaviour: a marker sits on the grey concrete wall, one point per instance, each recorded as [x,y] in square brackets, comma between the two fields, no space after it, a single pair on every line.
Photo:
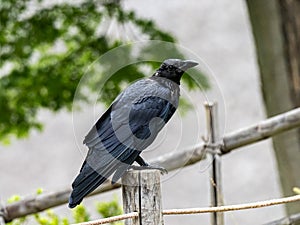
[219,32]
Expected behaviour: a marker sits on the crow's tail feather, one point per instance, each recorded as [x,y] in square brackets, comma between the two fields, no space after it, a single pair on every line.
[86,182]
[78,193]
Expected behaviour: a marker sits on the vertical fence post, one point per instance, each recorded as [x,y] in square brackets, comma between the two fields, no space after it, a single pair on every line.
[211,109]
[142,193]
[2,213]
[2,222]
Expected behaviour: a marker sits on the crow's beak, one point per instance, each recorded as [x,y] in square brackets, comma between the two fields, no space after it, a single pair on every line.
[186,64]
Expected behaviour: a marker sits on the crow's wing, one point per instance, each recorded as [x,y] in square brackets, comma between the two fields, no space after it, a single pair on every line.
[95,169]
[149,109]
[147,117]
[107,153]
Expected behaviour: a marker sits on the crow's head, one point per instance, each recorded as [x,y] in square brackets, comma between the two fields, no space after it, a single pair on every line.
[173,69]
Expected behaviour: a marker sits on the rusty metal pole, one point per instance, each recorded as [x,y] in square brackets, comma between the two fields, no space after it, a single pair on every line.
[215,175]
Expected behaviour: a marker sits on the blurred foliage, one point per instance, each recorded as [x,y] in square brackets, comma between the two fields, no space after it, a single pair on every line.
[47,47]
[109,209]
[296,190]
[50,218]
[79,214]
[14,198]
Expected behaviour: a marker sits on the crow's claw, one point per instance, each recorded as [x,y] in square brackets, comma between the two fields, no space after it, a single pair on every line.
[149,167]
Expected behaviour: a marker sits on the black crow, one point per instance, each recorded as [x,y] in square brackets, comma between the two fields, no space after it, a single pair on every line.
[130,125]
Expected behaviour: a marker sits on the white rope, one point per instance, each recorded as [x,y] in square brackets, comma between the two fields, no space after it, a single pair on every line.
[110,219]
[201,210]
[233,207]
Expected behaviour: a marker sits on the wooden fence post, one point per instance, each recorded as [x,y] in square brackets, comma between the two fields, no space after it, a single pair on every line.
[142,193]
[2,210]
[211,109]
[2,221]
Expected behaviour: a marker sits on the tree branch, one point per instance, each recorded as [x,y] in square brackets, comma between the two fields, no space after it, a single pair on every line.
[170,161]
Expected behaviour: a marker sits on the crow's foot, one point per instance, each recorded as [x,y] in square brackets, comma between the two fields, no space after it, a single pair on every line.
[149,167]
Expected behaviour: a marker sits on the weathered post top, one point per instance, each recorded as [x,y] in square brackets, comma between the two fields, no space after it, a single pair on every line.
[142,193]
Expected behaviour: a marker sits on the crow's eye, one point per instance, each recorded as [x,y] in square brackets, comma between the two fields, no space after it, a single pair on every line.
[164,66]
[171,67]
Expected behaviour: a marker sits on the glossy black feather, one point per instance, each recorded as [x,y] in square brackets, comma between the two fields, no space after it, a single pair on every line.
[146,110]
[113,156]
[129,126]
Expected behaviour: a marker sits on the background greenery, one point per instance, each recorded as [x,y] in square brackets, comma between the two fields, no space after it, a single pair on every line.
[79,214]
[47,48]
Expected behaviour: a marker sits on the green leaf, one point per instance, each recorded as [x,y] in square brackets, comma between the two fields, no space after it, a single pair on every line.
[14,198]
[80,214]
[109,209]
